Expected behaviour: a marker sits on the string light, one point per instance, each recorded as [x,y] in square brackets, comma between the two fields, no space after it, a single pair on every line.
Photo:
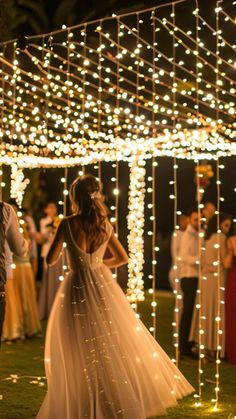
[116,191]
[176,290]
[201,348]
[62,215]
[218,319]
[152,206]
[155,249]
[2,183]
[115,206]
[18,184]
[135,219]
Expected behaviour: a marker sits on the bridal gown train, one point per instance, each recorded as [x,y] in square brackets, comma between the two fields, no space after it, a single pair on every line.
[100,360]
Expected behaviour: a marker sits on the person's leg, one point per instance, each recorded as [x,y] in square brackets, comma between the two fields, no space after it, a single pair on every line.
[189,288]
[192,298]
[182,328]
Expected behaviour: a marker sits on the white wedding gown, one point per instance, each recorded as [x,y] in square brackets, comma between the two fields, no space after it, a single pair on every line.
[100,360]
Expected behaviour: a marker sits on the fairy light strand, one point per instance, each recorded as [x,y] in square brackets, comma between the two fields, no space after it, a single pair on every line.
[135,220]
[218,319]
[176,291]
[153,328]
[117,169]
[201,355]
[65,193]
[154,250]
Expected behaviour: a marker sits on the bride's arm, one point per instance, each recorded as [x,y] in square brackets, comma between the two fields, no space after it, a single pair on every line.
[119,255]
[56,246]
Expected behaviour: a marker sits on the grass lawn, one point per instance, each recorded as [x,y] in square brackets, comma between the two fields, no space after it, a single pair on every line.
[23,385]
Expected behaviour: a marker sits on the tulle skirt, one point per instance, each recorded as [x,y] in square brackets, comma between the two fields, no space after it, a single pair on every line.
[49,288]
[100,360]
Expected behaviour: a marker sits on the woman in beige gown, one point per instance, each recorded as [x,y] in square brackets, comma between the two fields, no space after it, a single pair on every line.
[212,290]
[21,316]
[100,360]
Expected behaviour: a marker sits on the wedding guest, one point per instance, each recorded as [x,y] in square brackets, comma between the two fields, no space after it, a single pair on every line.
[21,317]
[212,288]
[51,274]
[230,302]
[31,227]
[189,273]
[208,211]
[175,249]
[11,240]
[45,235]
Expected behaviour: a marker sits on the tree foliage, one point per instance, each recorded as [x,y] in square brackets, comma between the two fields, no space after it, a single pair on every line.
[27,17]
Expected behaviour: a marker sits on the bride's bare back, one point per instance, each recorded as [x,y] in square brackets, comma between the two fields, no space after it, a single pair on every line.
[118,254]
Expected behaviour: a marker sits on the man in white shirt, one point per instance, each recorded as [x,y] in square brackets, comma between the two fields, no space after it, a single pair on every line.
[11,241]
[189,273]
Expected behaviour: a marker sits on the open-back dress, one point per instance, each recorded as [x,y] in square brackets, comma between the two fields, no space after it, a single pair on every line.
[101,362]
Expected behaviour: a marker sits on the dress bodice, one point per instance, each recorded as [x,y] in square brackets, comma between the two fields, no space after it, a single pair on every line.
[78,258]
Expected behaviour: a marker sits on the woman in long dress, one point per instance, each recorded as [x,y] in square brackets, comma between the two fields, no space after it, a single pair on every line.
[100,360]
[212,290]
[51,274]
[21,316]
[230,304]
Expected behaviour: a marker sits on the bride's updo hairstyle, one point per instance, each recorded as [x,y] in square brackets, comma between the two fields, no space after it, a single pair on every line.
[87,201]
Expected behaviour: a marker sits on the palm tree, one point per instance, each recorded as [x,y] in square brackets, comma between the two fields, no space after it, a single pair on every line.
[27,17]
[6,11]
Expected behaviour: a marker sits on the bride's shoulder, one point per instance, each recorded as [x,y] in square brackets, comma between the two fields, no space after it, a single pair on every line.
[108,226]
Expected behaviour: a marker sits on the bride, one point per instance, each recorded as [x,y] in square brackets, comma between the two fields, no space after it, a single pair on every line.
[100,360]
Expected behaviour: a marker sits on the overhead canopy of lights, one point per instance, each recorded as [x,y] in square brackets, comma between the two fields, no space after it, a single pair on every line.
[121,86]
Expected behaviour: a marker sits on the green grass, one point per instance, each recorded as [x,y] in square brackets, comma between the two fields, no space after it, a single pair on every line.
[21,399]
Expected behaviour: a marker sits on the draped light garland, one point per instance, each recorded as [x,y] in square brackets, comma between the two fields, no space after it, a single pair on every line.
[2,183]
[136,208]
[18,184]
[90,71]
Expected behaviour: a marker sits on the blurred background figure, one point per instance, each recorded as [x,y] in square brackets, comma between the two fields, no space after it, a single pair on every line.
[21,318]
[189,273]
[11,240]
[212,297]
[51,275]
[208,211]
[47,224]
[175,248]
[31,229]
[230,303]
